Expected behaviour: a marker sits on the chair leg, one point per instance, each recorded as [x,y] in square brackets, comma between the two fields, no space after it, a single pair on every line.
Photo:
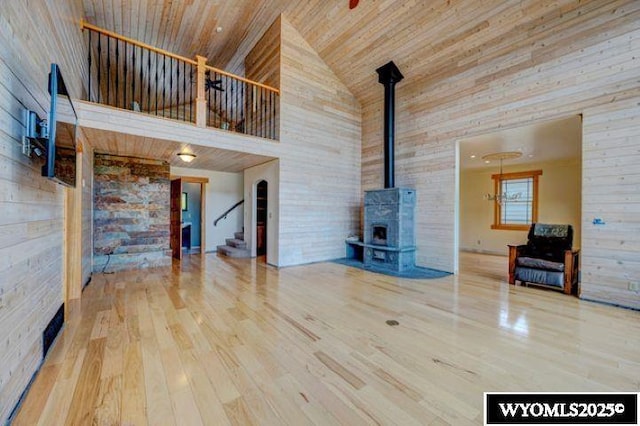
[513,254]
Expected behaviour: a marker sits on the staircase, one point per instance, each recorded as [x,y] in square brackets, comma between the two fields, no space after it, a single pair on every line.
[235,247]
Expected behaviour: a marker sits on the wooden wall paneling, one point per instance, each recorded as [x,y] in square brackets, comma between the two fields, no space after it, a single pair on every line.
[79,222]
[610,184]
[320,159]
[32,35]
[72,244]
[262,64]
[118,125]
[319,119]
[166,150]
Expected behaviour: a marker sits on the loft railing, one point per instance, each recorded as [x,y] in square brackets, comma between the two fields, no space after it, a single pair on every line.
[125,73]
[237,104]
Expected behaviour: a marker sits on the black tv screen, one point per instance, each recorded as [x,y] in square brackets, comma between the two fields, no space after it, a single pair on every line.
[60,162]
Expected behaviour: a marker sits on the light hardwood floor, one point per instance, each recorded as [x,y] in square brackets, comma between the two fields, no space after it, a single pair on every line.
[223,341]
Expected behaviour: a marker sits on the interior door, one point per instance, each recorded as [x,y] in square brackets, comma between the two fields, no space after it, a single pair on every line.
[176,219]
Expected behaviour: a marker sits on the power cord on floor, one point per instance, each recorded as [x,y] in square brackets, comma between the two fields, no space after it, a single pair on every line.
[104,268]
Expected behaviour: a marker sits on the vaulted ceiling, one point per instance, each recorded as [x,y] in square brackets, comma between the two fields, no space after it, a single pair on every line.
[428,39]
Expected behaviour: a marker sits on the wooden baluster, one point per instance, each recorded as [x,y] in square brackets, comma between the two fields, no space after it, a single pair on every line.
[201,101]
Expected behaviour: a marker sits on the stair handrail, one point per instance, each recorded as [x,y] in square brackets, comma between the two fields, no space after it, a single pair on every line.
[229,210]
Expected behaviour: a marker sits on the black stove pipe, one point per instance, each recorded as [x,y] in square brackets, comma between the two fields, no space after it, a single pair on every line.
[389,75]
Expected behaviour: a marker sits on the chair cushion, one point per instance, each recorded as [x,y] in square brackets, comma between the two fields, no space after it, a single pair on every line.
[543,264]
[539,276]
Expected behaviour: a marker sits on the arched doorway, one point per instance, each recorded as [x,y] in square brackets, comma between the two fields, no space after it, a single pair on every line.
[261,217]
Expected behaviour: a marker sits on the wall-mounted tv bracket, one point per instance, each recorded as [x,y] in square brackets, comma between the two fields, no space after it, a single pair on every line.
[35,134]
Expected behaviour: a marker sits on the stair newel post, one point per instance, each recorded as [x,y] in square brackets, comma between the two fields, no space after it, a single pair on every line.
[201,100]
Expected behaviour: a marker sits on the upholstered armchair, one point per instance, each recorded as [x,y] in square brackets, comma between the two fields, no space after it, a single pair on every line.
[546,259]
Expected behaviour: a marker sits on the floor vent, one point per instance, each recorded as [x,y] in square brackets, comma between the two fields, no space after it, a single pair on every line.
[51,331]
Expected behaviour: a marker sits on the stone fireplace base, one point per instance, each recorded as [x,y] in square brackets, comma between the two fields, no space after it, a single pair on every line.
[396,259]
[389,241]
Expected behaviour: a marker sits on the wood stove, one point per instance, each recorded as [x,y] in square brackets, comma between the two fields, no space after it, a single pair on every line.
[389,234]
[389,231]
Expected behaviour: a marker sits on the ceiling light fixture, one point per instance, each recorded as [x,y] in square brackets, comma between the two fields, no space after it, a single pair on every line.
[501,197]
[187,157]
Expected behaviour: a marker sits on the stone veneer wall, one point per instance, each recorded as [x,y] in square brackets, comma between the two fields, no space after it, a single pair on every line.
[131,213]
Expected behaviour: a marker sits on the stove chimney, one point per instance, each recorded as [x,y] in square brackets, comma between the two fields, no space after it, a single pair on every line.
[389,75]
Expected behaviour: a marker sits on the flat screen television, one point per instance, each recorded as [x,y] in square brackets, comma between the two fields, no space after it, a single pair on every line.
[60,164]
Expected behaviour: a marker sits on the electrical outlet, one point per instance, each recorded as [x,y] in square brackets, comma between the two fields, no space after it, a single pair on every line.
[634,286]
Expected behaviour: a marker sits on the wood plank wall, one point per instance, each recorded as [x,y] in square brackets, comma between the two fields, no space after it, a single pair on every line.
[569,63]
[611,192]
[262,64]
[319,152]
[32,35]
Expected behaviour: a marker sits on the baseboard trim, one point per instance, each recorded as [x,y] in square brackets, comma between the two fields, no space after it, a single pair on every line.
[478,251]
[615,305]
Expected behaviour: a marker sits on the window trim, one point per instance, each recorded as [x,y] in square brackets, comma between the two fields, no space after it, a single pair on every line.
[497,207]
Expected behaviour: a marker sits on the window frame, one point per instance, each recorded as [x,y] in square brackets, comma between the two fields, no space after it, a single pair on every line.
[497,207]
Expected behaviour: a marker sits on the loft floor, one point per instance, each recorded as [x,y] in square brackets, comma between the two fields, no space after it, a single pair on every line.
[224,341]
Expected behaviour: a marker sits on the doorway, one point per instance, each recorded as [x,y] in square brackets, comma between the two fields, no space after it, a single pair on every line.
[191,217]
[188,214]
[261,204]
[493,164]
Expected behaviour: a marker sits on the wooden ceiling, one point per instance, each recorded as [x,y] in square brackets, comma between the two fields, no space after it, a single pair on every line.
[207,158]
[431,41]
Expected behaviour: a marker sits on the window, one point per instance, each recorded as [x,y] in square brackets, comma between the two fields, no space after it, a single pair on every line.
[516,204]
[183,202]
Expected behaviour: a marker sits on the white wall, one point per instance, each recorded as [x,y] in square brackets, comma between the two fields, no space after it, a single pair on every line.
[559,202]
[269,172]
[223,191]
